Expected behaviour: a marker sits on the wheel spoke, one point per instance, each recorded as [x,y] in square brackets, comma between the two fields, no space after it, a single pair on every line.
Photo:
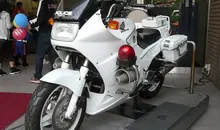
[46,120]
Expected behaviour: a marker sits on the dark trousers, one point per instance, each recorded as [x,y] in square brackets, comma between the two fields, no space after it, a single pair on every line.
[2,46]
[19,49]
[43,47]
[1,49]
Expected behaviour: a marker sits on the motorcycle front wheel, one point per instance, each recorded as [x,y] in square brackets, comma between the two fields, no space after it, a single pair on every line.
[47,107]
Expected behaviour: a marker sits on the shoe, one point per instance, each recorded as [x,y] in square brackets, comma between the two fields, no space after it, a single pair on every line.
[35,80]
[2,73]
[15,70]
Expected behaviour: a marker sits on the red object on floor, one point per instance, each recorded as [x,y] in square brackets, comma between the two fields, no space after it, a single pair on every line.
[13,106]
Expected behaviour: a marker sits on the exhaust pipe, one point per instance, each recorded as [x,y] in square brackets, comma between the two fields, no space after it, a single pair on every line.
[125,76]
[57,63]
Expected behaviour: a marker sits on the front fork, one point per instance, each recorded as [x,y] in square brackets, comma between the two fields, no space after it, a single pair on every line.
[74,98]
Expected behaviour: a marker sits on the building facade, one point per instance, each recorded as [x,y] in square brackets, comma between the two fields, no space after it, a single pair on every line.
[213,42]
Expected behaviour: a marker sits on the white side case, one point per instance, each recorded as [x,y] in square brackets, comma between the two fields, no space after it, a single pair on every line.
[174,47]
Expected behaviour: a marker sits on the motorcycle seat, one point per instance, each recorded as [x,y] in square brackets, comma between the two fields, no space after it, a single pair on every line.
[147,36]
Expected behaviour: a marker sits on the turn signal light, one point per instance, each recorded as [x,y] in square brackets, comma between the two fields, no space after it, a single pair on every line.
[112,24]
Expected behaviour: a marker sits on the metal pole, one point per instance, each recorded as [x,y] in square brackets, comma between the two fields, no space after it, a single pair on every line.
[207,29]
[192,75]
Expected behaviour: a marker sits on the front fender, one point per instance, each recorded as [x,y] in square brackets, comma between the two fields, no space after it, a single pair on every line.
[64,77]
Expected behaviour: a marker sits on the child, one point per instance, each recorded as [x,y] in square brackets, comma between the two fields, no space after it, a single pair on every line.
[19,47]
[20,51]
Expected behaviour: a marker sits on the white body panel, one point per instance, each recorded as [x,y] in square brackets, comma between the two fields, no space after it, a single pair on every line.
[128,34]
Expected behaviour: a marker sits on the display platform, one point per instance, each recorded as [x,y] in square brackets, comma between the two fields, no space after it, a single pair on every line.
[175,109]
[171,109]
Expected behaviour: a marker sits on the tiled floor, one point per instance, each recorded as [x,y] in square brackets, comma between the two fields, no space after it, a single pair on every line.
[20,83]
[209,121]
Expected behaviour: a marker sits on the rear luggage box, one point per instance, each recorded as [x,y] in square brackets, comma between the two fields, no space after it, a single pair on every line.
[174,47]
[155,22]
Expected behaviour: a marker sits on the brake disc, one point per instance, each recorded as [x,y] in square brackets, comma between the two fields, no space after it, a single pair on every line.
[59,122]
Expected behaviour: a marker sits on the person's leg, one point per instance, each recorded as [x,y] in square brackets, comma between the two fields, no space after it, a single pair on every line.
[13,69]
[1,59]
[52,55]
[23,54]
[25,63]
[15,53]
[40,53]
[16,60]
[24,60]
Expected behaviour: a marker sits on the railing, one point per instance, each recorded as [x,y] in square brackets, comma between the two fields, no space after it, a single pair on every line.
[192,75]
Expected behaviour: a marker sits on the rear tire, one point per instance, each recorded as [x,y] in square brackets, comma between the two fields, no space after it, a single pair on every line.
[151,90]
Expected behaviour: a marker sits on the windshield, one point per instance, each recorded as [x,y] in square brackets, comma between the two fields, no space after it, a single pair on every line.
[71,9]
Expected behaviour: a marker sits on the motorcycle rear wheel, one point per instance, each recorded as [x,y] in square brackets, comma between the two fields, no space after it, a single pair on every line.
[33,116]
[152,89]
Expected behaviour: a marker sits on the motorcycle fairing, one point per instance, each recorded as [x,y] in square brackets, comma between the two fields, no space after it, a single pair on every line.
[98,45]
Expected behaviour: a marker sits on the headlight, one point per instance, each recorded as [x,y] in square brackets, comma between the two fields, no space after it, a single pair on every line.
[64,31]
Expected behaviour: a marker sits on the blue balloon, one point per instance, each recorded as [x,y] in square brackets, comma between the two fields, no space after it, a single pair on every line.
[21,20]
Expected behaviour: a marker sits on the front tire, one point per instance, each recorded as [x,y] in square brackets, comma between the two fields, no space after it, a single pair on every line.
[37,104]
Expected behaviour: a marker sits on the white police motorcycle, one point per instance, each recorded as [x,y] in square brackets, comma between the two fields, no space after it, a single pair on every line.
[105,59]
